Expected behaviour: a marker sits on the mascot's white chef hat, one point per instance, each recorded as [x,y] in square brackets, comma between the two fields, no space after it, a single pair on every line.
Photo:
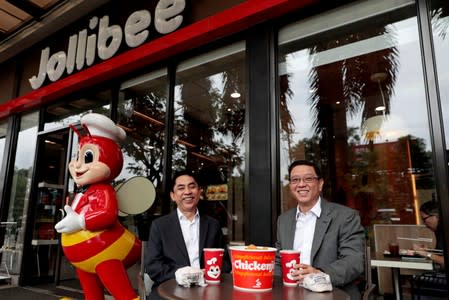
[102,126]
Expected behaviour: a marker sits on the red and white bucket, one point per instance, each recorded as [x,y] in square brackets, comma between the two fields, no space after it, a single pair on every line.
[253,268]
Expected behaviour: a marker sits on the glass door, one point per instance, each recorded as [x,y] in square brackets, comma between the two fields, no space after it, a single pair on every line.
[50,190]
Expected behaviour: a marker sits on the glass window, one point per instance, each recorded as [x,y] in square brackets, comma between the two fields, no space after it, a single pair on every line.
[142,111]
[440,27]
[209,118]
[352,99]
[440,30]
[5,228]
[20,193]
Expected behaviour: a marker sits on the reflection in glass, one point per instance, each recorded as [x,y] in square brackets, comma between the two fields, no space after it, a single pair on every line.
[20,192]
[5,228]
[354,102]
[209,131]
[61,115]
[440,27]
[142,110]
[440,32]
[3,131]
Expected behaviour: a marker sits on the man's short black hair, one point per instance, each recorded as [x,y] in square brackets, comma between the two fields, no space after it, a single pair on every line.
[303,162]
[182,173]
[430,208]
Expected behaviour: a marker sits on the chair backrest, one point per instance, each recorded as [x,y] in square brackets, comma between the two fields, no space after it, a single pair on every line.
[429,284]
[369,285]
[368,275]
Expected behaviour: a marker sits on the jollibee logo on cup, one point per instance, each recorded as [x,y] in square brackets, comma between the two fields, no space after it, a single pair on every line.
[213,269]
[289,258]
[213,259]
[289,266]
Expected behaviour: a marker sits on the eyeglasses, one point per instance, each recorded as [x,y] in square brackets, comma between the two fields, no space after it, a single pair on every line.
[307,179]
[426,217]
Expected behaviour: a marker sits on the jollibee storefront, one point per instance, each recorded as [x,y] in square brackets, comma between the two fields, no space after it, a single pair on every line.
[235,91]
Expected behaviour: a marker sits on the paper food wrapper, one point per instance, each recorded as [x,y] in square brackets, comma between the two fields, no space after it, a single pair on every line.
[317,282]
[188,276]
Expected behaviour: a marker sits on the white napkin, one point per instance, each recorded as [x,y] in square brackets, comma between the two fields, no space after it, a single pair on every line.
[317,282]
[188,276]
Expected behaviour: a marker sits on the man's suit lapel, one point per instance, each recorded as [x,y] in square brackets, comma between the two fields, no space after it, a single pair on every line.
[203,233]
[290,230]
[176,234]
[322,223]
[204,227]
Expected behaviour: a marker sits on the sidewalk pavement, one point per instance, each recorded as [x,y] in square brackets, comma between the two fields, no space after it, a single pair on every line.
[46,292]
[16,292]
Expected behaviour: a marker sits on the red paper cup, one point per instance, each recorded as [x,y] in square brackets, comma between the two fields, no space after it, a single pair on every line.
[394,249]
[288,259]
[213,262]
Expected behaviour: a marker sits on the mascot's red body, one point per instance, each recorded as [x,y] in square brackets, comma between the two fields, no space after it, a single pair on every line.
[92,238]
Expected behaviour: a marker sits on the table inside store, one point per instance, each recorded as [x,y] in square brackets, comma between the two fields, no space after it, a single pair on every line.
[37,244]
[398,263]
[225,290]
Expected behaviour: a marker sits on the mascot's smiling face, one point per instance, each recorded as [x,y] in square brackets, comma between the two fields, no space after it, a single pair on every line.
[213,272]
[212,268]
[99,160]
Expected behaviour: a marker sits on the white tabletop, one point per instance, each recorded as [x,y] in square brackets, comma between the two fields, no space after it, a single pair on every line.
[44,242]
[379,260]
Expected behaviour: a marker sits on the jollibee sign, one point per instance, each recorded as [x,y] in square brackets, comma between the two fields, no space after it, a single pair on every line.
[102,40]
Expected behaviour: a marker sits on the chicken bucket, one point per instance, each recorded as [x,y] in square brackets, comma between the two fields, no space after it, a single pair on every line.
[252,267]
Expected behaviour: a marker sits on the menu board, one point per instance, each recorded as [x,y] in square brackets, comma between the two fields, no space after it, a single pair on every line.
[217,192]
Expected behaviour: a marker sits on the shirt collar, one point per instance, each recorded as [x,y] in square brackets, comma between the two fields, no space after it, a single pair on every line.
[182,217]
[316,209]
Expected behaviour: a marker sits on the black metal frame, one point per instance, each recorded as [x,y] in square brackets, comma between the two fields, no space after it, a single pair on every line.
[260,124]
[435,115]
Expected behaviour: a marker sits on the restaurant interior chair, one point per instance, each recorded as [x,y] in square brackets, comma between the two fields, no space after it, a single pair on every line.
[369,285]
[429,284]
[145,283]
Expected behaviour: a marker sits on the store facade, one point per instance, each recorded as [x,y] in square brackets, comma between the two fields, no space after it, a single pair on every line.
[235,93]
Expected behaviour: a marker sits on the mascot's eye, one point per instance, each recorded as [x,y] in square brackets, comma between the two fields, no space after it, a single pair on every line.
[88,156]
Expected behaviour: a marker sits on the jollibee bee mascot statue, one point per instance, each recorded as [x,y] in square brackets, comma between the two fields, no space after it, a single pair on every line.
[92,238]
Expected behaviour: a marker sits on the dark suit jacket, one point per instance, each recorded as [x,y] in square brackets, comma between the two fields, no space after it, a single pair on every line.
[166,251]
[338,243]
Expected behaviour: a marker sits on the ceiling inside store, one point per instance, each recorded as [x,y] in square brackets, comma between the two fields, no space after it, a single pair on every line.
[25,22]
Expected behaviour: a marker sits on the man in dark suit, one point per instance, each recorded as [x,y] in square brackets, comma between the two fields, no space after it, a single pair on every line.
[329,235]
[177,240]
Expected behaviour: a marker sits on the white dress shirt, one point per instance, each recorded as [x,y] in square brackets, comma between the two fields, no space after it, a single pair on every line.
[191,233]
[305,230]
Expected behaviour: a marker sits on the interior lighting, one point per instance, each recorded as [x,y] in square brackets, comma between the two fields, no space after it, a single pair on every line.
[235,95]
[380,77]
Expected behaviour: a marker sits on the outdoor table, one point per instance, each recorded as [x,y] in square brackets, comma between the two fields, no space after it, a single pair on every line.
[225,290]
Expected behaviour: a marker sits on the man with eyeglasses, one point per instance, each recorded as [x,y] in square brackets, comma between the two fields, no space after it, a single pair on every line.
[430,215]
[434,281]
[329,236]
